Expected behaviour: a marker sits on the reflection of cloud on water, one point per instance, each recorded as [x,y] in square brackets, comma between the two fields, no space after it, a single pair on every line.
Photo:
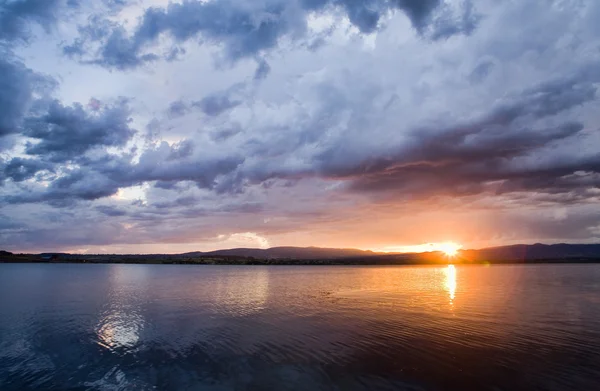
[122,321]
[120,330]
[242,293]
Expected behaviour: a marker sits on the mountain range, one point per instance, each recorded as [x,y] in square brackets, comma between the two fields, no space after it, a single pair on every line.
[520,252]
[288,252]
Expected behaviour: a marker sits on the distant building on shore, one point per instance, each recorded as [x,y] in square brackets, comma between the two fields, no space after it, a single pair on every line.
[49,256]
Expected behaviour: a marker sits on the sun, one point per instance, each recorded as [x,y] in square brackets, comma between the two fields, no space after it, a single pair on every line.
[450,249]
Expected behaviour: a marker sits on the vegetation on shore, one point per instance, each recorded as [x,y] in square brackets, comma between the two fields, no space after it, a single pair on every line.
[430,258]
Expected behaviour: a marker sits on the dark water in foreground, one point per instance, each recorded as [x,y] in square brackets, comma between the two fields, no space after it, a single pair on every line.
[146,327]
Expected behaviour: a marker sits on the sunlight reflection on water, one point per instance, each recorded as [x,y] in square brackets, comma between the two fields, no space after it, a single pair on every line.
[146,327]
[451,281]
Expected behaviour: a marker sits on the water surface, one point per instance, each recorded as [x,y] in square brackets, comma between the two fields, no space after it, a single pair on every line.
[177,327]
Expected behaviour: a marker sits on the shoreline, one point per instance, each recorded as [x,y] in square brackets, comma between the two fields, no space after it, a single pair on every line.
[249,261]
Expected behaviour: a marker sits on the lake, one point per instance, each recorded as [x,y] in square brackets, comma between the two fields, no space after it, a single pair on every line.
[178,327]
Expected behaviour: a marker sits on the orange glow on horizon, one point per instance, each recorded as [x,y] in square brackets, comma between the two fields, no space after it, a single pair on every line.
[450,249]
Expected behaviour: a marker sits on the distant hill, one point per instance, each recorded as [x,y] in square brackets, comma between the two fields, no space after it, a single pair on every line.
[522,253]
[519,253]
[288,253]
[532,252]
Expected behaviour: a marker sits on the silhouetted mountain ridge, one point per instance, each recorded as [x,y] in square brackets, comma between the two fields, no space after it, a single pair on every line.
[288,252]
[536,251]
[518,252]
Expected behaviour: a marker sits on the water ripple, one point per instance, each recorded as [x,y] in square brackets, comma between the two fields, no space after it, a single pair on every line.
[128,327]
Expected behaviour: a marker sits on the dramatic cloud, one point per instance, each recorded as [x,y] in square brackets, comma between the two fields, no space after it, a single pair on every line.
[216,104]
[16,93]
[19,87]
[492,148]
[246,29]
[19,169]
[374,124]
[64,133]
[16,17]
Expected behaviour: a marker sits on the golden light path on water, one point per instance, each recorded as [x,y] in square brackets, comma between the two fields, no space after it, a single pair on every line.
[450,272]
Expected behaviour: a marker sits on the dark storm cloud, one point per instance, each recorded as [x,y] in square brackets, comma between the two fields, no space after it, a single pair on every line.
[99,178]
[462,158]
[81,184]
[165,185]
[110,211]
[15,94]
[466,156]
[181,150]
[493,174]
[16,16]
[245,30]
[409,117]
[509,145]
[216,104]
[19,169]
[576,174]
[18,84]
[97,28]
[121,53]
[222,22]
[174,163]
[63,133]
[23,89]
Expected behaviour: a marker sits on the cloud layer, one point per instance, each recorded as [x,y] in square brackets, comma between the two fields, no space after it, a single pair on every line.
[247,29]
[127,126]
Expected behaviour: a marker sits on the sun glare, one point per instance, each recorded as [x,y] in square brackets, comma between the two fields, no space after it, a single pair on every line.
[449,248]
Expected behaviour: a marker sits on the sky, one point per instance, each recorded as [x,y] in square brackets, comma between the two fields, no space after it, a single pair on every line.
[150,126]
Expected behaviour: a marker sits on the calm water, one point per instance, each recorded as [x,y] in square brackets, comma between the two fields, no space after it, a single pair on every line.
[146,327]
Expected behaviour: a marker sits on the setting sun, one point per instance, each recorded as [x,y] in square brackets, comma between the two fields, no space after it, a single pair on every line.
[450,249]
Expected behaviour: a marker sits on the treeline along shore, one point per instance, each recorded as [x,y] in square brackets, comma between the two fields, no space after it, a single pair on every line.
[518,254]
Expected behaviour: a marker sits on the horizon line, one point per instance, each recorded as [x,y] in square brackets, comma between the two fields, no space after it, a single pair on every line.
[307,247]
